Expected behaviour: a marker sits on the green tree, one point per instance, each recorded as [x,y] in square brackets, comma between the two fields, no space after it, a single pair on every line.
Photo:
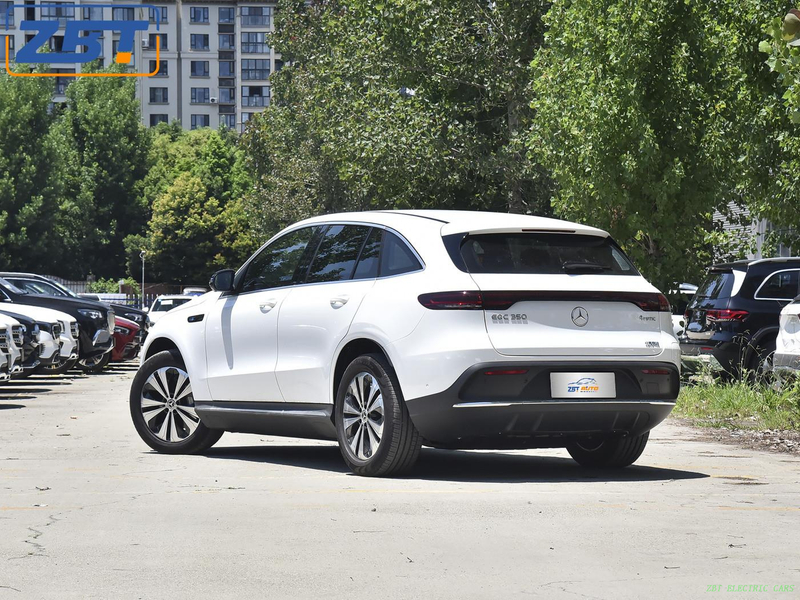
[30,168]
[653,114]
[100,126]
[403,103]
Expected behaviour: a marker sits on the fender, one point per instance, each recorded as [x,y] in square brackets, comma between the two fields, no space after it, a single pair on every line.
[756,339]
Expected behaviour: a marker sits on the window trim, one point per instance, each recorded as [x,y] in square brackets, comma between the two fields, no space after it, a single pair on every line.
[324,225]
[770,276]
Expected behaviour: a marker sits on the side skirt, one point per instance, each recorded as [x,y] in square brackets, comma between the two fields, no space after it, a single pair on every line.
[311,421]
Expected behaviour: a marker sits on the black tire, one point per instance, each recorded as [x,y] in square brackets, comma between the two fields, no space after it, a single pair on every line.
[94,367]
[614,452]
[194,443]
[760,367]
[400,442]
[59,369]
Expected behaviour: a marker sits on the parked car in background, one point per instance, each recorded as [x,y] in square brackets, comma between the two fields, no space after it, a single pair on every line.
[163,304]
[39,284]
[127,340]
[391,329]
[47,329]
[680,301]
[733,320]
[787,348]
[11,345]
[194,291]
[95,320]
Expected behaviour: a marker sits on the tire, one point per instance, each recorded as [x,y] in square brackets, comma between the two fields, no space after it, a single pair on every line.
[615,452]
[92,365]
[399,442]
[148,403]
[59,369]
[760,367]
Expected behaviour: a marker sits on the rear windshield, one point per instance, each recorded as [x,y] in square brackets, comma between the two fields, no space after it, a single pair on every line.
[544,253]
[717,284]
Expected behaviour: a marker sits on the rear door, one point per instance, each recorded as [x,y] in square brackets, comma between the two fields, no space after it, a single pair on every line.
[562,294]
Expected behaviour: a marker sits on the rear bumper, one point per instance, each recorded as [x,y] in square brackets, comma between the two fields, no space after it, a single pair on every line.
[518,411]
[786,366]
[718,356]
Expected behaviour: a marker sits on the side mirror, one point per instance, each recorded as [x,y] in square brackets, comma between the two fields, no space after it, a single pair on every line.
[222,281]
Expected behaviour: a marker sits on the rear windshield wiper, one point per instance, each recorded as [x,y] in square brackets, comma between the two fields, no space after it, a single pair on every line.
[572,266]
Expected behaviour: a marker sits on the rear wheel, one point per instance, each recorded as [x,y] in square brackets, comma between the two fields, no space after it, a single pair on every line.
[162,407]
[375,432]
[611,452]
[760,366]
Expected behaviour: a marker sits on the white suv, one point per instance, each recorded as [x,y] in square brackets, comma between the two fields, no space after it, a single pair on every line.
[387,330]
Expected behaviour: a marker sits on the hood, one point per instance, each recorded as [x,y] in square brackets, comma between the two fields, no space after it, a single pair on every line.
[39,313]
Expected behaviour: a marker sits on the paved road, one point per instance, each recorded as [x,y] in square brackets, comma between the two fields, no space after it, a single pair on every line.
[87,511]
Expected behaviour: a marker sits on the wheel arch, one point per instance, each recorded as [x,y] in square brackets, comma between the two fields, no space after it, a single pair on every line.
[160,344]
[348,352]
[760,336]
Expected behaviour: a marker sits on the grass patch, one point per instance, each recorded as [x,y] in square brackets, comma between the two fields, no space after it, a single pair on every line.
[740,405]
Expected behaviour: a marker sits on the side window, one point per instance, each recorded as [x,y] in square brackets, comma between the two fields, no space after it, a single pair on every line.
[337,253]
[276,264]
[397,257]
[779,286]
[367,267]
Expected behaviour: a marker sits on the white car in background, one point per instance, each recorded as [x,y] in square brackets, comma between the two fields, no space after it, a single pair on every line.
[163,304]
[388,330]
[58,335]
[10,346]
[681,298]
[786,361]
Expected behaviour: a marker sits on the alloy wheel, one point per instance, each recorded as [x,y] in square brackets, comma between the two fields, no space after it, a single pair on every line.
[363,416]
[167,405]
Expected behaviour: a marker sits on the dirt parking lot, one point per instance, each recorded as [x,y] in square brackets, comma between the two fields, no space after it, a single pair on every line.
[88,511]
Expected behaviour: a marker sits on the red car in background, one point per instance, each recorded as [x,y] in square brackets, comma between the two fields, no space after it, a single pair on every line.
[127,340]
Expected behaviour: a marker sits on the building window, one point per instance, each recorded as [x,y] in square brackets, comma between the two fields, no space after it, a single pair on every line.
[63,82]
[163,68]
[199,41]
[11,52]
[227,68]
[198,15]
[122,14]
[200,121]
[152,40]
[159,14]
[227,15]
[199,68]
[227,121]
[159,95]
[57,11]
[256,15]
[92,13]
[227,95]
[226,41]
[115,49]
[156,119]
[255,69]
[201,95]
[255,95]
[5,13]
[254,43]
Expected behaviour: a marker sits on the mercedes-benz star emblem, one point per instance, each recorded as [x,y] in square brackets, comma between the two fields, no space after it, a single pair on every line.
[580,316]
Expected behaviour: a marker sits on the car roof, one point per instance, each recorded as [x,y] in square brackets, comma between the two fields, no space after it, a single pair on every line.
[744,265]
[7,274]
[459,221]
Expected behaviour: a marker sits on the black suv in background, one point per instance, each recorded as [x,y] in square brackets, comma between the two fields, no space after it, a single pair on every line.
[95,320]
[732,321]
[39,284]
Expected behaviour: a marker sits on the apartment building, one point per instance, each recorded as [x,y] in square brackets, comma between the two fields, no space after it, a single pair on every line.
[213,60]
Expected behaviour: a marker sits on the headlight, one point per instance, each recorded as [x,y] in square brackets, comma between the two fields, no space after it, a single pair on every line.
[91,313]
[121,330]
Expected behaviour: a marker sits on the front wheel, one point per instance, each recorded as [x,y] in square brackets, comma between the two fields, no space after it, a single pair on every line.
[614,452]
[375,432]
[94,364]
[58,368]
[162,407]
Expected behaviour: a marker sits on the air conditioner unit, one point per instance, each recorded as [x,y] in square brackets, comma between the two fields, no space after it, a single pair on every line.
[145,44]
[213,100]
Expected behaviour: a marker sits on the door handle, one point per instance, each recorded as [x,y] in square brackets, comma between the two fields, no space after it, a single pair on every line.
[339,301]
[268,305]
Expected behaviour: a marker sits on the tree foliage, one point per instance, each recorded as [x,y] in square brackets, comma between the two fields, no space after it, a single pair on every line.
[653,114]
[397,104]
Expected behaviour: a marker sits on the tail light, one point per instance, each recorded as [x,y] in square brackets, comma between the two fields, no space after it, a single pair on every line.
[715,315]
[452,300]
[649,302]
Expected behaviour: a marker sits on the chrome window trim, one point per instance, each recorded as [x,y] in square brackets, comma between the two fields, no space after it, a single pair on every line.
[770,276]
